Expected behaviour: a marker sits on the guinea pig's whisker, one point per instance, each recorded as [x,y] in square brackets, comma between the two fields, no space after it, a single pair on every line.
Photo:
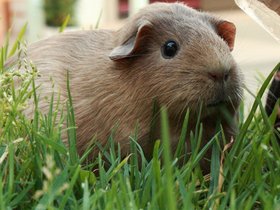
[183,111]
[231,103]
[238,95]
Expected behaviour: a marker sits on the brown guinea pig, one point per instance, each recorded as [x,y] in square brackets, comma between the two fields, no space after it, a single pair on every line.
[168,53]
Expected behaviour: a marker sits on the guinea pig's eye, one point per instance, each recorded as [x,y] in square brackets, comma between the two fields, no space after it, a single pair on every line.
[169,49]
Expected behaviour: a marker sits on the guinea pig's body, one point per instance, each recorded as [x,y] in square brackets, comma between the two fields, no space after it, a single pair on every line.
[167,53]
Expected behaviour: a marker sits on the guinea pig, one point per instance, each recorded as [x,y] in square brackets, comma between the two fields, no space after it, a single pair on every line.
[168,53]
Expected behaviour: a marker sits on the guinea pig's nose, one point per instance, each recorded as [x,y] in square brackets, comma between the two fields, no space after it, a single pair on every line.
[218,76]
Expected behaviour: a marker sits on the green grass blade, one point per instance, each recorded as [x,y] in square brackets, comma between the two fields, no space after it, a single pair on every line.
[134,177]
[6,47]
[86,201]
[74,177]
[53,144]
[2,199]
[19,39]
[170,194]
[11,170]
[119,166]
[202,152]
[2,60]
[215,169]
[71,124]
[98,20]
[181,148]
[156,164]
[65,23]
[254,108]
[21,195]
[267,122]
[35,127]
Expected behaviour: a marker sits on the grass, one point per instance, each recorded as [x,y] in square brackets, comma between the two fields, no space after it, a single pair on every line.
[37,171]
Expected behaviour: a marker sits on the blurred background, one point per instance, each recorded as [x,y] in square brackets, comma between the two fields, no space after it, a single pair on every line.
[255,50]
[43,15]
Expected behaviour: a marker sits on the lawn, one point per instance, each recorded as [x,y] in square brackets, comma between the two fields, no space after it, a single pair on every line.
[37,171]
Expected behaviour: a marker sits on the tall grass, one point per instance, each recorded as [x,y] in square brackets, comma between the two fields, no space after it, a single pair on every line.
[37,171]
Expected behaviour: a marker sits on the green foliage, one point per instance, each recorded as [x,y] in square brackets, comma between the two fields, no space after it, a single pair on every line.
[57,11]
[37,170]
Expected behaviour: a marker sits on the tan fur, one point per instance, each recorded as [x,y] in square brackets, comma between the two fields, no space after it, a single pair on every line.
[120,92]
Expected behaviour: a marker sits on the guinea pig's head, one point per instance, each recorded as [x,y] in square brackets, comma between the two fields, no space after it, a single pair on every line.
[181,57]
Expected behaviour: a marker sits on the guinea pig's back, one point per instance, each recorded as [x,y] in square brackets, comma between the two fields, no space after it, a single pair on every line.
[70,51]
[83,54]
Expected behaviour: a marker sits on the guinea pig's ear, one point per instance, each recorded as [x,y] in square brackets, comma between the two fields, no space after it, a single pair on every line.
[132,45]
[227,31]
